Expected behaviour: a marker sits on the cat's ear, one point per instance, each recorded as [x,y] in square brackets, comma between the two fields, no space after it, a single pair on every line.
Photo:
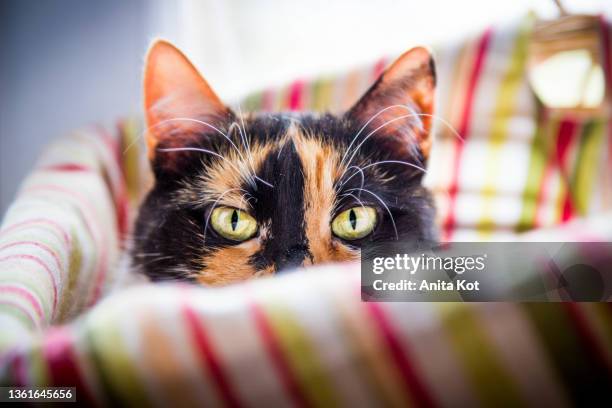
[177,98]
[400,104]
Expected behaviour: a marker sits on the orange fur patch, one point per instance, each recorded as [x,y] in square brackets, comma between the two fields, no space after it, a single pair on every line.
[223,180]
[321,164]
[230,264]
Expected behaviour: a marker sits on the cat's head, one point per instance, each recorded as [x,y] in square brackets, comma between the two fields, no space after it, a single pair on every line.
[242,196]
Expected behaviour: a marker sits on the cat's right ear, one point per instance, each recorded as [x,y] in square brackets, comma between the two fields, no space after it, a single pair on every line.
[177,100]
[399,106]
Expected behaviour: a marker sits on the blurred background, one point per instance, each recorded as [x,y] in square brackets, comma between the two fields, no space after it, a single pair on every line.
[66,63]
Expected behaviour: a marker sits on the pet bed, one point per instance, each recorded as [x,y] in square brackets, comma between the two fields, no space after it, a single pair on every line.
[521,172]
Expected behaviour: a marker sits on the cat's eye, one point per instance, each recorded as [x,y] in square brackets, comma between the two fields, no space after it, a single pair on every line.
[233,224]
[354,223]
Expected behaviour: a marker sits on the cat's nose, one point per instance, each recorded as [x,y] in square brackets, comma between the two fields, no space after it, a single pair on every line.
[292,257]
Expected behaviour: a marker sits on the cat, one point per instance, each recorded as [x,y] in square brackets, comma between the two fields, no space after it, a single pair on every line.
[243,196]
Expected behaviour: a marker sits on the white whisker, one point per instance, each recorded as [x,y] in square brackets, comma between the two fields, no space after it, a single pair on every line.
[413,113]
[396,162]
[444,122]
[360,171]
[197,149]
[384,162]
[370,121]
[247,201]
[201,123]
[356,198]
[355,150]
[247,144]
[242,139]
[264,181]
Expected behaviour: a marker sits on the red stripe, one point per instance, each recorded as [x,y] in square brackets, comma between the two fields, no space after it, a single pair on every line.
[89,214]
[542,195]
[44,266]
[418,391]
[278,359]
[18,370]
[89,219]
[67,167]
[567,131]
[464,129]
[208,355]
[46,221]
[40,245]
[7,288]
[295,95]
[58,352]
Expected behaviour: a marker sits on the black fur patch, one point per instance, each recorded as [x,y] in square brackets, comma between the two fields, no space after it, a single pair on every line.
[282,208]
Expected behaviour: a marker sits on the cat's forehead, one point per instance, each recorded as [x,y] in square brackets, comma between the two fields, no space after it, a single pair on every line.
[266,152]
[275,127]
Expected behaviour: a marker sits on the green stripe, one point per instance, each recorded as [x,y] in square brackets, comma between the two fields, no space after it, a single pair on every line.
[302,357]
[579,371]
[493,384]
[587,164]
[115,367]
[18,314]
[74,269]
[254,101]
[131,158]
[38,367]
[505,107]
[322,93]
[535,175]
[506,98]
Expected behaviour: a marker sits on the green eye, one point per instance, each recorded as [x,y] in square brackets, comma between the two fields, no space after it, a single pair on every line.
[354,223]
[233,224]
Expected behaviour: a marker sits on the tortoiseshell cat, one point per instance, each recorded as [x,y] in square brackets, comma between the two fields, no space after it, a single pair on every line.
[242,197]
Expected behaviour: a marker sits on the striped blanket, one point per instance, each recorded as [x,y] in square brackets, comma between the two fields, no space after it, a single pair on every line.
[502,165]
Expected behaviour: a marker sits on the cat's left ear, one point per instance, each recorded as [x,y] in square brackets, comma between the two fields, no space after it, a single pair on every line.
[399,105]
[177,99]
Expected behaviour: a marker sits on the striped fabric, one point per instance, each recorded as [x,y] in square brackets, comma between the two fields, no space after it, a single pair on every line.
[501,164]
[61,239]
[306,339]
